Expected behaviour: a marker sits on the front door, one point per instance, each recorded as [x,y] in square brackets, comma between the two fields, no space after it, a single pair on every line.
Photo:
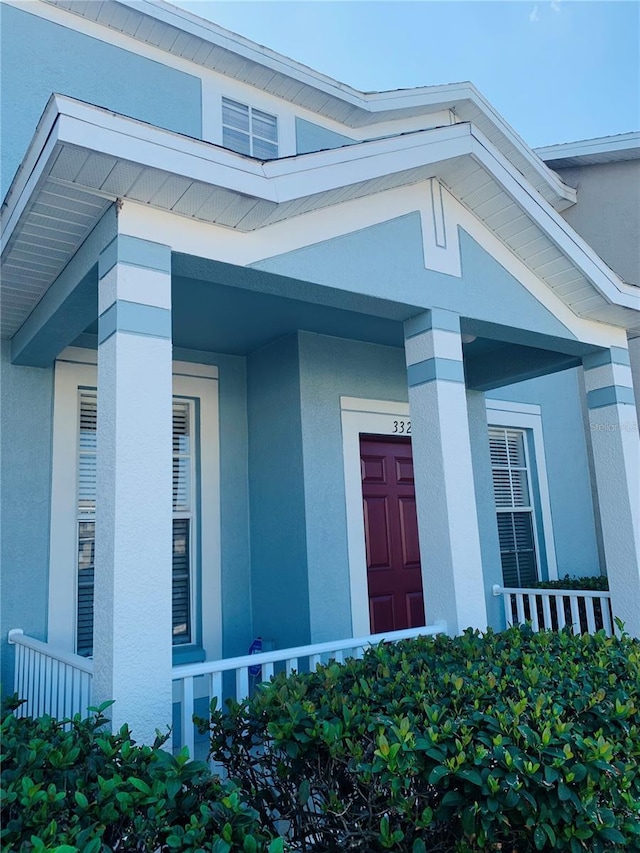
[391,534]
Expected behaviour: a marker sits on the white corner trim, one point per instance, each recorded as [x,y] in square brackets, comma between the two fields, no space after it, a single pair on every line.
[197,371]
[77,368]
[520,408]
[361,416]
[502,413]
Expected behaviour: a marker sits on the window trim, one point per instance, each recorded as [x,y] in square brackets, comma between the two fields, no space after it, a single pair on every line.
[250,132]
[528,417]
[77,368]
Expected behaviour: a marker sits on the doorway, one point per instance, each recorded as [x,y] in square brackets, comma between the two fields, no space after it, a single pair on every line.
[394,577]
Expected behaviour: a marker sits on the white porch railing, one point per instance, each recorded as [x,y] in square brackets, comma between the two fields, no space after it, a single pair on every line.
[210,673]
[51,681]
[585,611]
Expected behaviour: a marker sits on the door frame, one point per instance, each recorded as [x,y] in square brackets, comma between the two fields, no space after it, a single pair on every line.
[372,417]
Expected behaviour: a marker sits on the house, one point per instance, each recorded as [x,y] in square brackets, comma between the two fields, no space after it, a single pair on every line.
[241,301]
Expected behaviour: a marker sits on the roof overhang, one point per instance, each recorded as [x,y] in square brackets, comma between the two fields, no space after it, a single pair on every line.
[591,152]
[83,158]
[190,37]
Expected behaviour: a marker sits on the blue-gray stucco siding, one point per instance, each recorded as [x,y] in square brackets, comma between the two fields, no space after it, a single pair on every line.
[568,475]
[279,582]
[25,485]
[39,57]
[312,137]
[386,261]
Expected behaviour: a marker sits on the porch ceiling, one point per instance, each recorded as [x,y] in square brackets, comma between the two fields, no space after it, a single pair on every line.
[84,158]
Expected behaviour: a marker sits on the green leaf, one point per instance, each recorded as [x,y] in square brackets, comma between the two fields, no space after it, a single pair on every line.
[81,800]
[140,784]
[418,846]
[250,845]
[438,773]
[276,846]
[539,838]
[612,834]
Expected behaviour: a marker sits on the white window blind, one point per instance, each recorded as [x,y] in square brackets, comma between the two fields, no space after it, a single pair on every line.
[183,520]
[511,485]
[249,131]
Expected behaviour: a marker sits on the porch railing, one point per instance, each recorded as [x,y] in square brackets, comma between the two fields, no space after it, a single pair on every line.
[584,611]
[248,670]
[51,681]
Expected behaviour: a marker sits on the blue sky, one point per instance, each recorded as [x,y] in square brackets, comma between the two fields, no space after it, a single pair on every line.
[557,71]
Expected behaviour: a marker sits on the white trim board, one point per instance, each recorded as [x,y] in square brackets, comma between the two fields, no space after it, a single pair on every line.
[369,417]
[527,416]
[77,368]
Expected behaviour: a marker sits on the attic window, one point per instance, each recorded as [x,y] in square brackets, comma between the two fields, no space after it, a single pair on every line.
[249,131]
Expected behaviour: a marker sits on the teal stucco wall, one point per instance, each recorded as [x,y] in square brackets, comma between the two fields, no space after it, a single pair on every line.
[312,137]
[331,368]
[568,476]
[25,482]
[39,57]
[279,582]
[386,261]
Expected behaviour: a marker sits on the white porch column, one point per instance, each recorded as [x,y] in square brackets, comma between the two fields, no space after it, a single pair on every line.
[132,608]
[613,424]
[445,496]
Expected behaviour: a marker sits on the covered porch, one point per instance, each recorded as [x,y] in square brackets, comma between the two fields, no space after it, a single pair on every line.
[262,357]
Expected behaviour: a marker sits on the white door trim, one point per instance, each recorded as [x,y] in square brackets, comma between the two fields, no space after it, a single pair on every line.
[377,417]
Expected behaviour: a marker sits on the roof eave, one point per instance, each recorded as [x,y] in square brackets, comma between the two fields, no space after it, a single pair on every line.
[259,194]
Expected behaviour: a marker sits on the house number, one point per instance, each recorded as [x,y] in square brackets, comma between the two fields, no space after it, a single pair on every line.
[402,427]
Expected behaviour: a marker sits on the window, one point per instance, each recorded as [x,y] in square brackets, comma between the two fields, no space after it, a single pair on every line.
[196,494]
[512,489]
[249,131]
[183,520]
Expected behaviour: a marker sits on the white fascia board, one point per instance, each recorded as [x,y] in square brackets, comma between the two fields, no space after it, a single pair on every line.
[336,168]
[275,181]
[367,104]
[612,288]
[561,189]
[26,179]
[219,36]
[95,129]
[39,141]
[604,145]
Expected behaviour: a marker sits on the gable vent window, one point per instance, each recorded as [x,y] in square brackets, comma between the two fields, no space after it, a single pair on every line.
[183,521]
[511,486]
[249,131]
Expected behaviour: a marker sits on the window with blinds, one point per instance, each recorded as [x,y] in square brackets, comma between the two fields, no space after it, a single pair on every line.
[183,521]
[249,131]
[511,486]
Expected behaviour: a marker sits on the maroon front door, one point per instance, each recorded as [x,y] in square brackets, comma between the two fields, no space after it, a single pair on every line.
[391,534]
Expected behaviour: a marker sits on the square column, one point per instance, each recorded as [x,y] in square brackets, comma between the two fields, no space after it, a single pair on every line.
[453,583]
[132,605]
[613,425]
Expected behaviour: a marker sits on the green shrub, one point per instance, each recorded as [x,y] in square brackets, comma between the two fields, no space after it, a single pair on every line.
[79,789]
[515,742]
[594,583]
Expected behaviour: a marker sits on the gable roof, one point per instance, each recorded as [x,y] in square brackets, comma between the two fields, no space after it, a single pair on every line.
[83,158]
[183,34]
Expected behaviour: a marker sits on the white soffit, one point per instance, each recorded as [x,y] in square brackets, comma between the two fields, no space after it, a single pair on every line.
[590,152]
[192,38]
[83,158]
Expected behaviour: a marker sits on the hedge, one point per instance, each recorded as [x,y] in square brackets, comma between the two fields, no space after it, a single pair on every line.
[71,787]
[514,742]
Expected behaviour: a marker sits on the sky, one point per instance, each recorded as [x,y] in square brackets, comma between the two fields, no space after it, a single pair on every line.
[557,71]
